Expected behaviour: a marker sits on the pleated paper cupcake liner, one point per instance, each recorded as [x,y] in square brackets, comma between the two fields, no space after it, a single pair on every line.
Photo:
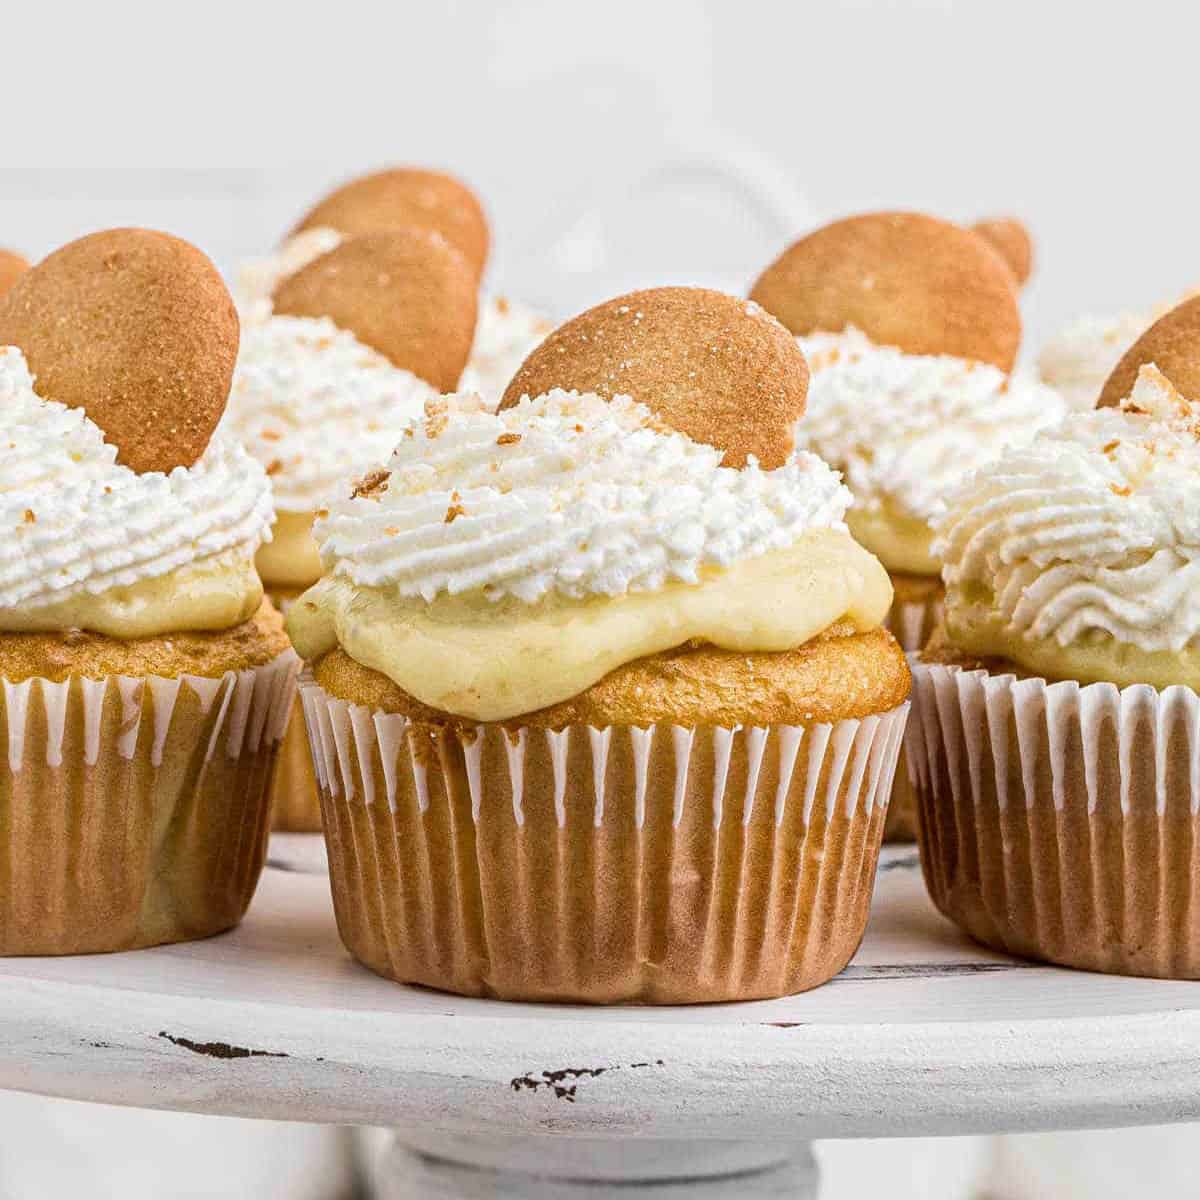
[1061,821]
[133,811]
[659,865]
[912,624]
[295,802]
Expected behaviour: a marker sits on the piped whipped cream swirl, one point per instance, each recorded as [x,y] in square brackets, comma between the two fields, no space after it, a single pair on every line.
[75,523]
[567,494]
[905,427]
[312,404]
[1094,529]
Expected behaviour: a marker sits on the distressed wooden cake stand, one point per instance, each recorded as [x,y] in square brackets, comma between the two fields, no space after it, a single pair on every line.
[925,1033]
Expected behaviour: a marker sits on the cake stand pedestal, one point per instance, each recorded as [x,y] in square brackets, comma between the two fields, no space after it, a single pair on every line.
[924,1033]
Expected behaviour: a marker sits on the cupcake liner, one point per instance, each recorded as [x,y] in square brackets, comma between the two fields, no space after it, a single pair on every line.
[295,805]
[662,865]
[1062,821]
[912,624]
[133,811]
[901,822]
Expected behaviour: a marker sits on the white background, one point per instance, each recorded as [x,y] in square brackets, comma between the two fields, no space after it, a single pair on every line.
[1075,116]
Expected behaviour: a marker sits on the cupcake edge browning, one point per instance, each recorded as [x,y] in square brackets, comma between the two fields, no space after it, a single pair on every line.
[839,675]
[59,656]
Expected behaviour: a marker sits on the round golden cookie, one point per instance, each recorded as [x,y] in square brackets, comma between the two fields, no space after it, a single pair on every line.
[710,365]
[402,198]
[12,267]
[906,280]
[406,293]
[1012,241]
[1172,344]
[137,329]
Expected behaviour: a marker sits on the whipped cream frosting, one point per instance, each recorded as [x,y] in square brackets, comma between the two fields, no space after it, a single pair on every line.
[312,404]
[506,334]
[76,524]
[258,278]
[904,427]
[1079,359]
[565,493]
[1092,531]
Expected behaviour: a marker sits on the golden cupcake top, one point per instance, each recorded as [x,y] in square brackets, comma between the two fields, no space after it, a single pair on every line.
[716,368]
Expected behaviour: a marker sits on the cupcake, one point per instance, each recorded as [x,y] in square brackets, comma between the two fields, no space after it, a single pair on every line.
[910,326]
[350,355]
[145,680]
[602,710]
[1057,747]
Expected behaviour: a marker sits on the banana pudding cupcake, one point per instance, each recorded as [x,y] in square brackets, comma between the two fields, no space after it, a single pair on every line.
[145,680]
[911,327]
[351,355]
[1055,756]
[595,717]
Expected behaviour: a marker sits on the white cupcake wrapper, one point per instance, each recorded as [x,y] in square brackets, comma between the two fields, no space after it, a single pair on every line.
[134,809]
[1061,820]
[663,864]
[912,622]
[252,706]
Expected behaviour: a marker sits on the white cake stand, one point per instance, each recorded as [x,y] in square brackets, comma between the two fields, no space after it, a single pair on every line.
[925,1033]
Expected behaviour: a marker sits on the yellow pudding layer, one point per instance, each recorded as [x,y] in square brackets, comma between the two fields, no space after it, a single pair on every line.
[491,660]
[290,559]
[1098,658]
[215,595]
[902,543]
